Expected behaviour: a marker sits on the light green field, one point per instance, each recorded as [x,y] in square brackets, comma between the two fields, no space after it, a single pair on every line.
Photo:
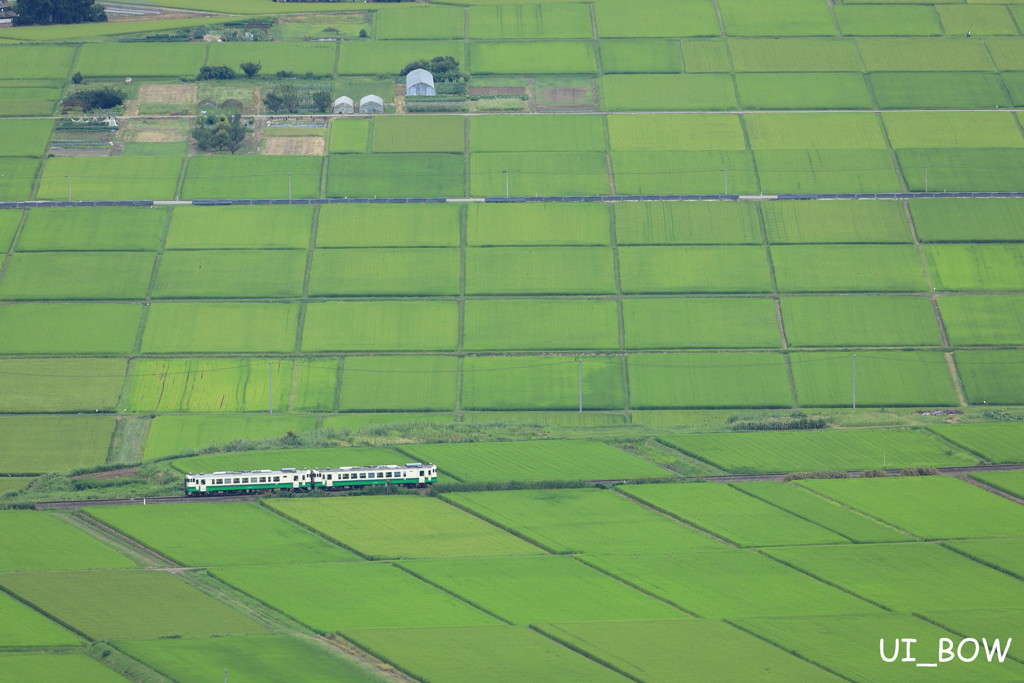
[907,577]
[686,223]
[540,133]
[419,134]
[381,325]
[860,321]
[103,604]
[276,458]
[730,583]
[731,515]
[808,451]
[142,59]
[251,177]
[983,320]
[230,273]
[834,517]
[640,56]
[17,185]
[994,169]
[789,222]
[619,19]
[77,275]
[9,483]
[1005,53]
[979,19]
[706,55]
[794,54]
[667,92]
[534,461]
[884,378]
[24,627]
[109,178]
[848,268]
[298,57]
[581,520]
[387,527]
[968,220]
[40,666]
[782,18]
[382,383]
[924,54]
[219,534]
[539,270]
[1003,553]
[173,434]
[37,61]
[316,385]
[699,323]
[482,653]
[826,171]
[919,130]
[240,227]
[938,90]
[541,383]
[394,225]
[220,328]
[377,272]
[975,267]
[503,22]
[350,135]
[69,328]
[86,229]
[537,224]
[682,132]
[59,385]
[532,57]
[910,503]
[9,222]
[813,131]
[647,650]
[419,22]
[496,325]
[67,547]
[227,385]
[41,444]
[700,269]
[396,175]
[24,137]
[881,20]
[388,57]
[803,91]
[720,380]
[527,590]
[538,173]
[991,376]
[994,442]
[699,172]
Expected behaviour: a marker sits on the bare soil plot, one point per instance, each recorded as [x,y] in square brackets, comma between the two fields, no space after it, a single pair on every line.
[297,146]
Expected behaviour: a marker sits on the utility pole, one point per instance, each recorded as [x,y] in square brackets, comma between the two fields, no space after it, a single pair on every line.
[926,177]
[270,369]
[579,375]
[854,380]
[69,187]
[506,183]
[725,172]
[289,185]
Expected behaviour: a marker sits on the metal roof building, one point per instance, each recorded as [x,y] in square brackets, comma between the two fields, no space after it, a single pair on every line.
[419,82]
[371,104]
[344,105]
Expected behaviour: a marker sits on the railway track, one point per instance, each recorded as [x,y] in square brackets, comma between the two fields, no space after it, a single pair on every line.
[724,479]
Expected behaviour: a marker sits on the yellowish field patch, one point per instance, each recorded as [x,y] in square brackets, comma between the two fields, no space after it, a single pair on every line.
[297,146]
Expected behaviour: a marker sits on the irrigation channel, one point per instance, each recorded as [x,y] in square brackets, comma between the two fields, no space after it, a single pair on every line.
[722,479]
[520,200]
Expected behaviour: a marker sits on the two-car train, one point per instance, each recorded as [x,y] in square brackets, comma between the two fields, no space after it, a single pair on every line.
[409,475]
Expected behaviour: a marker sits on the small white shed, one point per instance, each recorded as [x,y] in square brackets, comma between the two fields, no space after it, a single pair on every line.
[419,82]
[344,105]
[371,104]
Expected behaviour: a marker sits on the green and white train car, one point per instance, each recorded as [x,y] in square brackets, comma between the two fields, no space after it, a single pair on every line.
[410,475]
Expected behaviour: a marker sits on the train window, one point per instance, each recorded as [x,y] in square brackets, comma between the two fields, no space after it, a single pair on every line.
[387,475]
[276,479]
[263,480]
[421,473]
[245,480]
[330,476]
[362,475]
[220,481]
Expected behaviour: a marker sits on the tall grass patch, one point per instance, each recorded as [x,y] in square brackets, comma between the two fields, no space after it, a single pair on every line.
[240,227]
[992,376]
[968,220]
[541,133]
[66,546]
[252,177]
[978,19]
[785,18]
[924,54]
[220,328]
[541,383]
[89,229]
[419,134]
[504,22]
[884,378]
[640,56]
[803,91]
[395,175]
[976,267]
[860,321]
[381,326]
[696,172]
[69,328]
[109,178]
[920,130]
[794,54]
[671,92]
[532,57]
[392,383]
[376,272]
[938,90]
[230,273]
[393,225]
[700,323]
[224,385]
[77,275]
[704,269]
[682,132]
[983,320]
[539,270]
[795,222]
[619,19]
[173,434]
[686,223]
[814,131]
[537,224]
[520,174]
[848,268]
[708,380]
[59,385]
[550,325]
[881,20]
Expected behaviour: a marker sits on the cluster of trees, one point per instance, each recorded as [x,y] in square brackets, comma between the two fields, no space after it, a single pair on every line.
[289,99]
[45,12]
[96,98]
[442,68]
[218,132]
[226,73]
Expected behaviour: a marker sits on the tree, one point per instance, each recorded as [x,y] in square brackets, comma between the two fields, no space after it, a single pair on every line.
[273,101]
[98,98]
[77,78]
[47,12]
[220,132]
[322,100]
[251,68]
[215,73]
[442,68]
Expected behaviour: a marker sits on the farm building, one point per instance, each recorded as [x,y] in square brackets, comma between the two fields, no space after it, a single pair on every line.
[344,105]
[7,15]
[419,82]
[371,104]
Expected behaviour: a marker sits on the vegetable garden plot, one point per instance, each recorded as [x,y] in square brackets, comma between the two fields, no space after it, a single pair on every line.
[860,321]
[992,376]
[699,172]
[803,91]
[968,220]
[504,22]
[350,135]
[252,177]
[730,514]
[706,380]
[539,270]
[24,137]
[227,385]
[943,130]
[482,653]
[72,666]
[381,326]
[535,461]
[61,385]
[394,225]
[794,54]
[276,458]
[983,320]
[705,269]
[924,54]
[581,520]
[794,222]
[173,434]
[976,267]
[220,328]
[119,178]
[105,604]
[396,175]
[884,378]
[538,173]
[541,383]
[848,268]
[419,22]
[390,383]
[66,546]
[142,59]
[838,518]
[537,224]
[220,534]
[785,18]
[24,627]
[660,19]
[300,57]
[929,507]
[88,228]
[826,170]
[240,227]
[667,92]
[700,323]
[382,527]
[882,20]
[814,131]
[994,442]
[419,134]
[962,170]
[382,272]
[501,325]
[686,223]
[819,450]
[648,650]
[680,132]
[528,590]
[380,57]
[77,275]
[640,56]
[730,583]
[938,90]
[907,577]
[69,328]
[230,273]
[556,57]
[540,133]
